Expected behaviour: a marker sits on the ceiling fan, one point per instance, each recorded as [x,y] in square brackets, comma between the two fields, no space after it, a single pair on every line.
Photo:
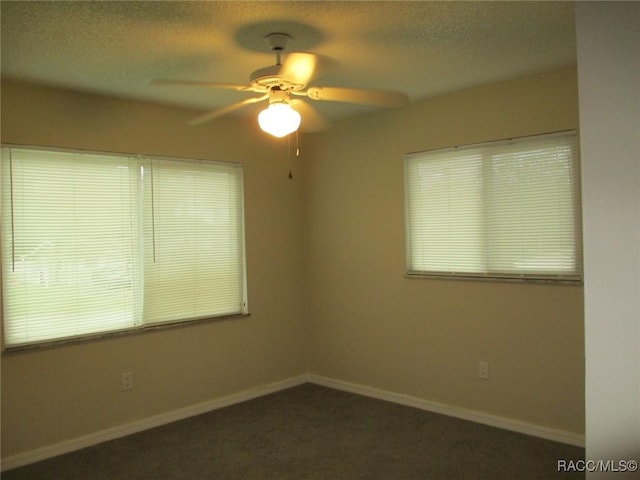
[282,83]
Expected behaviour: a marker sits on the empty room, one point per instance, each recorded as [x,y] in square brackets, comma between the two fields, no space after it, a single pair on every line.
[323,240]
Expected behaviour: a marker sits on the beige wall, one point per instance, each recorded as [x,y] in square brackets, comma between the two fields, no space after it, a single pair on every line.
[61,393]
[327,292]
[424,338]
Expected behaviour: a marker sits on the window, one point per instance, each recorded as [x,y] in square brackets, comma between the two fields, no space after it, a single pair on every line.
[95,243]
[505,209]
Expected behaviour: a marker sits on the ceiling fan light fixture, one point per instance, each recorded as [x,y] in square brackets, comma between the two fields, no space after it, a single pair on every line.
[279,119]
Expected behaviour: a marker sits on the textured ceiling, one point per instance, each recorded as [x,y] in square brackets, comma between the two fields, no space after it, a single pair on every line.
[420,48]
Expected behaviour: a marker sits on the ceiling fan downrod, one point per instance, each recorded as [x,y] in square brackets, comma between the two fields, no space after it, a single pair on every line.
[277,42]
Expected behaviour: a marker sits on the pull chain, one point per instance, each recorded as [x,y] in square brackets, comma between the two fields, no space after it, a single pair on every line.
[297,152]
[289,152]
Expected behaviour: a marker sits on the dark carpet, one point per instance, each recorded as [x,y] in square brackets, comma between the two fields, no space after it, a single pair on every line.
[312,432]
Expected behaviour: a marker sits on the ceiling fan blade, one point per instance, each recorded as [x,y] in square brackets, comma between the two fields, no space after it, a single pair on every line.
[377,98]
[300,68]
[312,120]
[224,110]
[191,83]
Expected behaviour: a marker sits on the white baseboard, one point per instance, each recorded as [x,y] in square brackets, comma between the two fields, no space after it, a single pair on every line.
[453,411]
[95,438]
[73,444]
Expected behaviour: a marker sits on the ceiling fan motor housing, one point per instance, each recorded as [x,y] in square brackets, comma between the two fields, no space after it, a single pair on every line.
[266,78]
[276,95]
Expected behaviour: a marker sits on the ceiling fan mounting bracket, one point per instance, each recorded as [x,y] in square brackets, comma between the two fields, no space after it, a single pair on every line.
[277,41]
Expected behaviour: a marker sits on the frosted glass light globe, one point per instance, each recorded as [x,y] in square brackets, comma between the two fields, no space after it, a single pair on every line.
[279,119]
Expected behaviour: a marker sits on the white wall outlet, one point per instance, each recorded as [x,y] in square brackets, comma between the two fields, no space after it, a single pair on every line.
[483,370]
[127,381]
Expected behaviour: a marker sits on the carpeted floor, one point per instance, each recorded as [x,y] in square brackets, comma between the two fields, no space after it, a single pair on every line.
[312,432]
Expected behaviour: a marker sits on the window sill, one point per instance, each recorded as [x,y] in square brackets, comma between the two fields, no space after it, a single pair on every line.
[156,327]
[495,279]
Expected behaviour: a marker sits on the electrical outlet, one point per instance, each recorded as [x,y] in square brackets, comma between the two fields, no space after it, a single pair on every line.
[483,370]
[127,381]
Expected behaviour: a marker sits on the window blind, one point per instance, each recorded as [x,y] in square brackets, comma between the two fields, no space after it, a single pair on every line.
[193,240]
[504,209]
[95,243]
[69,233]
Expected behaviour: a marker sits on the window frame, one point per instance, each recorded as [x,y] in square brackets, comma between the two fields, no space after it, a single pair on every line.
[142,327]
[575,278]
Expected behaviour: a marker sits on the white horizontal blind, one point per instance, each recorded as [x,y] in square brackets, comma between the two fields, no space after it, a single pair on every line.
[504,209]
[69,236]
[94,243]
[194,245]
[532,226]
[444,213]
